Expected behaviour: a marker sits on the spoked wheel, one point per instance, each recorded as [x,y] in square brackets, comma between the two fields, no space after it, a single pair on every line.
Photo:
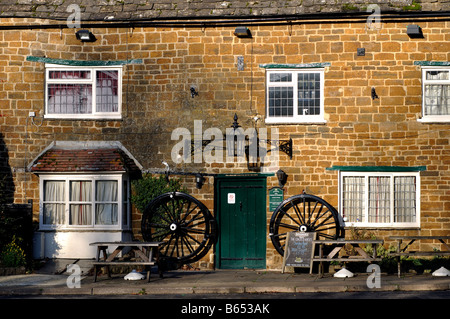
[184,225]
[306,213]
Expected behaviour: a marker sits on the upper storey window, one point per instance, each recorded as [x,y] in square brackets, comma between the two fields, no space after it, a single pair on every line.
[436,94]
[83,92]
[295,95]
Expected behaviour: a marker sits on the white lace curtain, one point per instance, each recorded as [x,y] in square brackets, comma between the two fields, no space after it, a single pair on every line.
[437,96]
[106,212]
[353,198]
[69,99]
[54,205]
[76,98]
[81,202]
[405,199]
[379,199]
[107,99]
[437,99]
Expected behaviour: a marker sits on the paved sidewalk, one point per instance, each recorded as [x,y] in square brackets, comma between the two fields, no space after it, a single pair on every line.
[214,282]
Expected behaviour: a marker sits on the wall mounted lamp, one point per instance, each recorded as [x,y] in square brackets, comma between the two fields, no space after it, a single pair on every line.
[282,178]
[194,92]
[414,31]
[240,143]
[85,36]
[199,180]
[235,143]
[242,32]
[374,94]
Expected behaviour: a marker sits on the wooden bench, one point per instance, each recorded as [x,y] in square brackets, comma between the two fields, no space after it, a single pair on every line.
[339,244]
[146,253]
[402,251]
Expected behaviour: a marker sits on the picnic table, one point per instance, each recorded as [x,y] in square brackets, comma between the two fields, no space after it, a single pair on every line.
[403,251]
[339,244]
[146,254]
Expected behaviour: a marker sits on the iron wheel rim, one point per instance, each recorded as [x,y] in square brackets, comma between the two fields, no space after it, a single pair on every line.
[307,213]
[184,225]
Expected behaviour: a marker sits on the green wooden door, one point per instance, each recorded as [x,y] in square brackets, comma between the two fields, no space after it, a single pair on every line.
[242,223]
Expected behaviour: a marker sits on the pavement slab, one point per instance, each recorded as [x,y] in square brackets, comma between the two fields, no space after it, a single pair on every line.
[214,282]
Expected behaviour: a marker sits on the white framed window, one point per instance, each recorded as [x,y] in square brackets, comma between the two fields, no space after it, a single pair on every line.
[435,94]
[295,96]
[380,199]
[83,92]
[84,202]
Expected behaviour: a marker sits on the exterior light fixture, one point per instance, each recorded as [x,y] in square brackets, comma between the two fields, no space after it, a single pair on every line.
[242,32]
[194,92]
[85,36]
[414,31]
[374,94]
[235,141]
[255,152]
[199,180]
[239,143]
[282,178]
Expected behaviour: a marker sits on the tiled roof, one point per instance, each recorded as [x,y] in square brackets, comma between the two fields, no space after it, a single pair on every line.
[84,160]
[128,10]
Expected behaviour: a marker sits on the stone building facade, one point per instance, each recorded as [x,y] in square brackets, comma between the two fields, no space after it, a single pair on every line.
[369,117]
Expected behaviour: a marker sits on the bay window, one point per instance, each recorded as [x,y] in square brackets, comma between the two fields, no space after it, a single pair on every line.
[88,201]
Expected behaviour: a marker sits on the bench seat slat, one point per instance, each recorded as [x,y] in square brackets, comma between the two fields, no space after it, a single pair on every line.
[343,242]
[421,253]
[122,263]
[346,259]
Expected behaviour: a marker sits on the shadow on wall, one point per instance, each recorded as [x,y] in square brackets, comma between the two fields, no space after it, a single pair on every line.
[15,219]
[6,178]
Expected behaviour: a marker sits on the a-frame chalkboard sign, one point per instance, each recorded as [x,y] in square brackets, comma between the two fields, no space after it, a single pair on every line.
[299,250]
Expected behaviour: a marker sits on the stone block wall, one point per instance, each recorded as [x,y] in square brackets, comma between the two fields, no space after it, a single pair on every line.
[156,98]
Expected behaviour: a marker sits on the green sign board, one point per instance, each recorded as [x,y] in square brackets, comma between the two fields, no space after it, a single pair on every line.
[276,197]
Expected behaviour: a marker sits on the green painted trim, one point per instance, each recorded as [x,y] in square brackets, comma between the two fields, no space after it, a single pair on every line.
[295,66]
[82,63]
[432,63]
[377,168]
[244,175]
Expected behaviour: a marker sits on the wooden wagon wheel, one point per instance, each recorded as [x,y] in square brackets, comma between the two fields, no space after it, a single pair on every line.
[307,213]
[184,225]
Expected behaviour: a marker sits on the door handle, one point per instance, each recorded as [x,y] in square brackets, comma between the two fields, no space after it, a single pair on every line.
[240,206]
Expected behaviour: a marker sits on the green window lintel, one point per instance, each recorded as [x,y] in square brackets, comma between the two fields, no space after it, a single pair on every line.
[377,168]
[432,63]
[294,66]
[82,63]
[268,174]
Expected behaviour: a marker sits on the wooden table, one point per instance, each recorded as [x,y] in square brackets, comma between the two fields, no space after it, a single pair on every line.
[339,244]
[146,254]
[402,251]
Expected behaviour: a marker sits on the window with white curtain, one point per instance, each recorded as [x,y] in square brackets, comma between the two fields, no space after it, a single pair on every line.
[436,94]
[89,201]
[53,203]
[380,199]
[83,92]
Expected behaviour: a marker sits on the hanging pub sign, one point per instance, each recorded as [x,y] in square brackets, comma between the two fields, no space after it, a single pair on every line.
[299,249]
[276,197]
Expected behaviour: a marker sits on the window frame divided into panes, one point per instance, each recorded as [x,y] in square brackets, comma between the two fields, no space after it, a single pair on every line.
[368,211]
[426,109]
[121,202]
[89,109]
[293,83]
